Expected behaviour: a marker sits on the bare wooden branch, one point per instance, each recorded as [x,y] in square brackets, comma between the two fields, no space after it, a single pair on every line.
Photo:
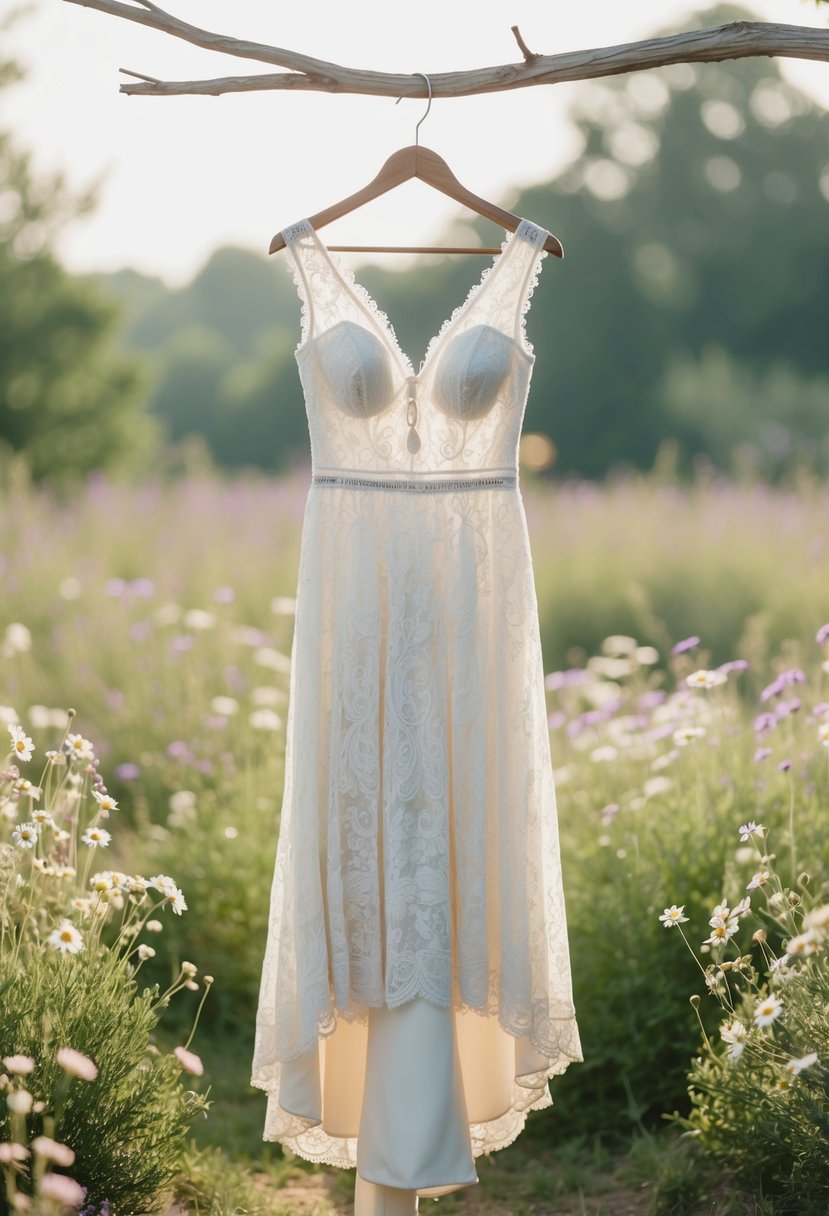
[735,40]
[529,55]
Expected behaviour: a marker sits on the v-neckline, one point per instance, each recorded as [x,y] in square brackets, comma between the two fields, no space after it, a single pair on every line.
[381,319]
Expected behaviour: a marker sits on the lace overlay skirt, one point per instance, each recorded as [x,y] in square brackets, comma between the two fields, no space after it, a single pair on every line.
[418,856]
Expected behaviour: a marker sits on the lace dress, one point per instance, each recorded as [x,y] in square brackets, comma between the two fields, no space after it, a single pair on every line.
[416,991]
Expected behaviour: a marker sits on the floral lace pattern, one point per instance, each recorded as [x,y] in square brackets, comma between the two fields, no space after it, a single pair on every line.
[418,852]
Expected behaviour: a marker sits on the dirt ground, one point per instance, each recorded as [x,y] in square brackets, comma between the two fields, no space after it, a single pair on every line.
[322,1195]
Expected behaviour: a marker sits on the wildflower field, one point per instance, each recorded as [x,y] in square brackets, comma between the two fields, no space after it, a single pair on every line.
[145,644]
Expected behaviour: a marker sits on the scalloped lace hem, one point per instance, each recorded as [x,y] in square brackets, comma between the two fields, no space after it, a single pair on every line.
[306,1137]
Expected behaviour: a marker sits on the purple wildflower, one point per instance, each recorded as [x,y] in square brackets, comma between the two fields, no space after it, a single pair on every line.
[556,719]
[771,690]
[234,677]
[650,700]
[659,732]
[179,750]
[143,587]
[821,709]
[685,644]
[764,722]
[607,812]
[822,634]
[127,771]
[761,753]
[783,708]
[733,665]
[592,717]
[784,766]
[224,595]
[793,675]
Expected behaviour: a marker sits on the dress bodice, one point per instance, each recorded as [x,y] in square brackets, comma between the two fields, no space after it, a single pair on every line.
[370,412]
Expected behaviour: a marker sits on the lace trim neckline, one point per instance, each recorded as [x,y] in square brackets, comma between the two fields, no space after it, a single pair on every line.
[526,230]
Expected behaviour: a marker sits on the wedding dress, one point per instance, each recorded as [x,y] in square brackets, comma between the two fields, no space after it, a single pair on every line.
[416,990]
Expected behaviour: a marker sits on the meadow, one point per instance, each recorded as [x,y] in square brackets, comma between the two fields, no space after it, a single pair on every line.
[687,669]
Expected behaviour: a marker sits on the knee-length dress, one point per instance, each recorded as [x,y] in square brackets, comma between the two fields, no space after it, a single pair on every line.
[416,989]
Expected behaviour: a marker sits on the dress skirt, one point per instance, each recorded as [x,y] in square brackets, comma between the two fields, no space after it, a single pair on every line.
[416,992]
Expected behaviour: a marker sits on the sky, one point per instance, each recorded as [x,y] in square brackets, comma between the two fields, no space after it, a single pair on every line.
[180,176]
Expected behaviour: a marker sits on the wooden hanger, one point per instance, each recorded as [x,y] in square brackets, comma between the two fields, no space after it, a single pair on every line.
[401,166]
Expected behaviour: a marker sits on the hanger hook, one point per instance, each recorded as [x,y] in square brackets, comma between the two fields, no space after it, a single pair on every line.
[428,107]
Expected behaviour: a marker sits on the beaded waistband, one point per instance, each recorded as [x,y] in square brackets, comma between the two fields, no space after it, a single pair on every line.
[419,485]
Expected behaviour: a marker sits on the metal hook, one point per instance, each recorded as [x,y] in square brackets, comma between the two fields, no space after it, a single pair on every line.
[428,107]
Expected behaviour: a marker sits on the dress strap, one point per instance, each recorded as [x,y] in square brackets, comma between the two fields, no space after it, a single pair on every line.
[531,238]
[300,244]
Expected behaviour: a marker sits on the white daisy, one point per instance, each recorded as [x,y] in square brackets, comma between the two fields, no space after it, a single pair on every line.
[106,802]
[673,915]
[43,817]
[705,679]
[721,931]
[175,899]
[22,745]
[686,734]
[66,938]
[79,747]
[735,1034]
[768,1009]
[25,835]
[801,945]
[95,837]
[797,1066]
[751,829]
[818,918]
[162,882]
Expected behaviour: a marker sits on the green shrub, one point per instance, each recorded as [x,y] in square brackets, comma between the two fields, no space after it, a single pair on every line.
[652,768]
[85,1087]
[760,1089]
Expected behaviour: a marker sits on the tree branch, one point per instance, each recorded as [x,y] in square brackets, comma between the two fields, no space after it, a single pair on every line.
[735,40]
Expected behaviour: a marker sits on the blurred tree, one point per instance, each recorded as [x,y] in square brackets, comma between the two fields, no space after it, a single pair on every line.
[70,399]
[695,214]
